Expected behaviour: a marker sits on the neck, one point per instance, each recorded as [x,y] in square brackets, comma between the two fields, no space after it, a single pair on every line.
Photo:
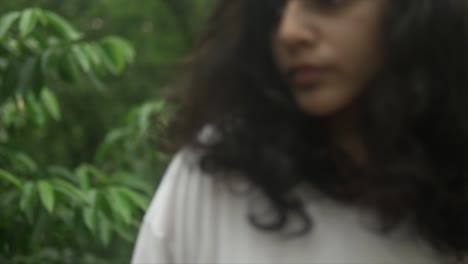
[347,134]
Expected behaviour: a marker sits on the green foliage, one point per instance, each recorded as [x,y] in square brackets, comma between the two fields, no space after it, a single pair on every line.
[38,46]
[65,124]
[51,213]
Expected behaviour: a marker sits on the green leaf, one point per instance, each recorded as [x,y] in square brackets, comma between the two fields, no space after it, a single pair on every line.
[83,178]
[92,196]
[47,59]
[8,177]
[145,113]
[106,65]
[105,229]
[27,162]
[92,54]
[19,161]
[70,190]
[158,106]
[81,57]
[41,16]
[95,80]
[122,45]
[35,111]
[6,22]
[29,189]
[124,231]
[112,139]
[141,201]
[144,119]
[90,212]
[94,171]
[51,103]
[90,218]
[30,76]
[120,205]
[61,172]
[119,51]
[64,29]
[68,69]
[27,22]
[46,193]
[130,180]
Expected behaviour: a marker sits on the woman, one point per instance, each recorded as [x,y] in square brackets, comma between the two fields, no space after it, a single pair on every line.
[319,131]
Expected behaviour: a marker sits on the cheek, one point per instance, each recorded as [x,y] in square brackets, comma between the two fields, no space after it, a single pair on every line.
[359,51]
[342,87]
[361,67]
[359,55]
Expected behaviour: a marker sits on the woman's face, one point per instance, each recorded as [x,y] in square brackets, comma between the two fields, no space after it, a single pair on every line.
[328,51]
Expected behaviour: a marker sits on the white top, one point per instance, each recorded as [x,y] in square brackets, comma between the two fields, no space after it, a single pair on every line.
[194,219]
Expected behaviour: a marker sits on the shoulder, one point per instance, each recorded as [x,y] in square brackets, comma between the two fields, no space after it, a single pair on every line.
[186,207]
[160,239]
[182,186]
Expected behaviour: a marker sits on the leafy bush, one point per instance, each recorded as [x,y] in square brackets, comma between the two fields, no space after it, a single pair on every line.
[51,213]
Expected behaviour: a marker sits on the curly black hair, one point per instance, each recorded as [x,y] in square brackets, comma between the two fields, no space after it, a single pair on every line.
[416,118]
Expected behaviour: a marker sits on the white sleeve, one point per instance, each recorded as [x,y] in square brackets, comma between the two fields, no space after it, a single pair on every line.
[162,223]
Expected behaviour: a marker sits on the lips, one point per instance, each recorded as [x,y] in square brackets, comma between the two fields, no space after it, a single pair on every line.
[305,75]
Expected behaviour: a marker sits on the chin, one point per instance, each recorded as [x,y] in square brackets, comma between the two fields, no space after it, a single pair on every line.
[324,103]
[321,108]
[320,112]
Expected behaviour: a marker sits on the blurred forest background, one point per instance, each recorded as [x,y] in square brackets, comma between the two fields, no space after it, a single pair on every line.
[81,109]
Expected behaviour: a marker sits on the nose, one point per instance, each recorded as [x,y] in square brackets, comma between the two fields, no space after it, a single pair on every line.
[296,28]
